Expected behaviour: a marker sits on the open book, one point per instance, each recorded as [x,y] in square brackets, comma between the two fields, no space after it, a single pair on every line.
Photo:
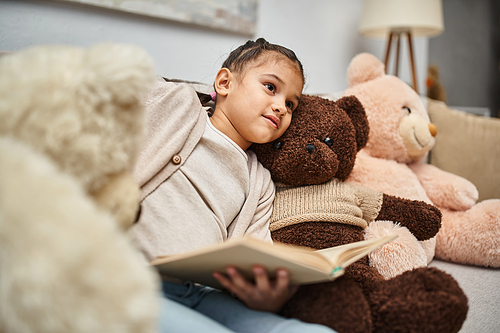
[305,265]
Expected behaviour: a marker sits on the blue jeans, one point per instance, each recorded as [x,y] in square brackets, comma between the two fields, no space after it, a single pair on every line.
[191,308]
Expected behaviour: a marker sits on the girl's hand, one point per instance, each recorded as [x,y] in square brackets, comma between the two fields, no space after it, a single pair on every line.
[264,294]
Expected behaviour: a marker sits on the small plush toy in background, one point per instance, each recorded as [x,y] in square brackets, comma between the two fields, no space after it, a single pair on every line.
[71,125]
[435,89]
[393,162]
[315,208]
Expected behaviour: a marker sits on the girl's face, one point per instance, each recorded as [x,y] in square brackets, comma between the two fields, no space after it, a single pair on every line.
[257,107]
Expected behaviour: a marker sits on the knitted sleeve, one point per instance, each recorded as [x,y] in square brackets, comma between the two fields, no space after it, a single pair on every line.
[370,201]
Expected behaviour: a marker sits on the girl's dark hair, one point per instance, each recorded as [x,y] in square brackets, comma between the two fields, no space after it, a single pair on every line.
[245,54]
[252,50]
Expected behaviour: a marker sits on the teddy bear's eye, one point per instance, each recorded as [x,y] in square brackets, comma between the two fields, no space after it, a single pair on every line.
[407,109]
[329,141]
[278,145]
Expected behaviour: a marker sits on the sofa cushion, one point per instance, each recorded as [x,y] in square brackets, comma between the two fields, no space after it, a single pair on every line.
[467,145]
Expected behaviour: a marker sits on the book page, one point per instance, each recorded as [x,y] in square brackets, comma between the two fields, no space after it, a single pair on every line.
[302,255]
[344,255]
[244,255]
[305,265]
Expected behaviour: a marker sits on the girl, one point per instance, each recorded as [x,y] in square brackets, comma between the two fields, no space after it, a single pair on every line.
[200,186]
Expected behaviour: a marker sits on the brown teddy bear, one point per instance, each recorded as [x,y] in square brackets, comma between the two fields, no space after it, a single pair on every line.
[315,208]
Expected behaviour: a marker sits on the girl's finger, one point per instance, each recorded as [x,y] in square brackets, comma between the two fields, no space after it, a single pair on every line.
[237,280]
[224,281]
[282,279]
[234,288]
[261,279]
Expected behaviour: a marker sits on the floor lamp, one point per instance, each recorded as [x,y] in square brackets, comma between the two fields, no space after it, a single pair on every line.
[394,19]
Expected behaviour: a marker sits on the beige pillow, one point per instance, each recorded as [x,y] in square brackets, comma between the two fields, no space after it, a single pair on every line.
[467,145]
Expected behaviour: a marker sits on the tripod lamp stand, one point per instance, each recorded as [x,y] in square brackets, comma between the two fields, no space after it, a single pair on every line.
[394,19]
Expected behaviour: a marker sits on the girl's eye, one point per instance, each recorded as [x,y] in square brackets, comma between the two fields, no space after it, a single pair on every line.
[289,105]
[270,86]
[407,109]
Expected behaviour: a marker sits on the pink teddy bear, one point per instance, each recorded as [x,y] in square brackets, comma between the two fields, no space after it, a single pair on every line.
[400,137]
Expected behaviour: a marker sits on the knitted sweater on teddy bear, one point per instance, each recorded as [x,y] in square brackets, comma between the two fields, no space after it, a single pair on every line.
[333,201]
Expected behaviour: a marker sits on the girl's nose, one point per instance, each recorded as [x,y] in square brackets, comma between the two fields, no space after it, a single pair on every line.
[279,108]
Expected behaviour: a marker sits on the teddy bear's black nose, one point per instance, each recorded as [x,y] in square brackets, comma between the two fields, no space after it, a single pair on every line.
[310,148]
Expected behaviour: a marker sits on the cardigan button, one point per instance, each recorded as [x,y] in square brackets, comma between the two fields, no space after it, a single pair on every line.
[176,159]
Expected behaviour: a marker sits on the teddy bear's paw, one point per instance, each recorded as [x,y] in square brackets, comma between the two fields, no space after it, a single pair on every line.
[472,236]
[402,254]
[340,305]
[422,219]
[422,300]
[444,188]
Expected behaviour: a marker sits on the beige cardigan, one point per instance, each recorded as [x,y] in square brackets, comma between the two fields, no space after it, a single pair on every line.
[175,122]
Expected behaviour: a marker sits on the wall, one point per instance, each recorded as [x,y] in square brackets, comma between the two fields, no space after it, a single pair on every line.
[468,53]
[323,33]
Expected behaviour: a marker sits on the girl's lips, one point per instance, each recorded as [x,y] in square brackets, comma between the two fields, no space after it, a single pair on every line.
[275,121]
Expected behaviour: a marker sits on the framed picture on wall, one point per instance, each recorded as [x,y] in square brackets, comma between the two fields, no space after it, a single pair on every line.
[237,16]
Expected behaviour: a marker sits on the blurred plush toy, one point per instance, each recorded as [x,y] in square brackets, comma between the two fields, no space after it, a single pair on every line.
[393,162]
[315,208]
[71,125]
[434,88]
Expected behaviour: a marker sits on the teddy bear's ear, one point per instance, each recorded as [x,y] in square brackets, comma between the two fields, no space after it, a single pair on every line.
[356,112]
[118,73]
[364,67]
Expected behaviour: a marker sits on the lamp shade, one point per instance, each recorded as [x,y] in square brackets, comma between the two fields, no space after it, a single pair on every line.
[420,17]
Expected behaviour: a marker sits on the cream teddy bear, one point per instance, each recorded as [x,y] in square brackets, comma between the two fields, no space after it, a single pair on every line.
[71,125]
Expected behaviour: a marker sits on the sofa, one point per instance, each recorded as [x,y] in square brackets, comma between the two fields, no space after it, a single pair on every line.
[468,145]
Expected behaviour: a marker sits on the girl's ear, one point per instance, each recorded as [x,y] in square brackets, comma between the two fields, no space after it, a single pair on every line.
[223,81]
